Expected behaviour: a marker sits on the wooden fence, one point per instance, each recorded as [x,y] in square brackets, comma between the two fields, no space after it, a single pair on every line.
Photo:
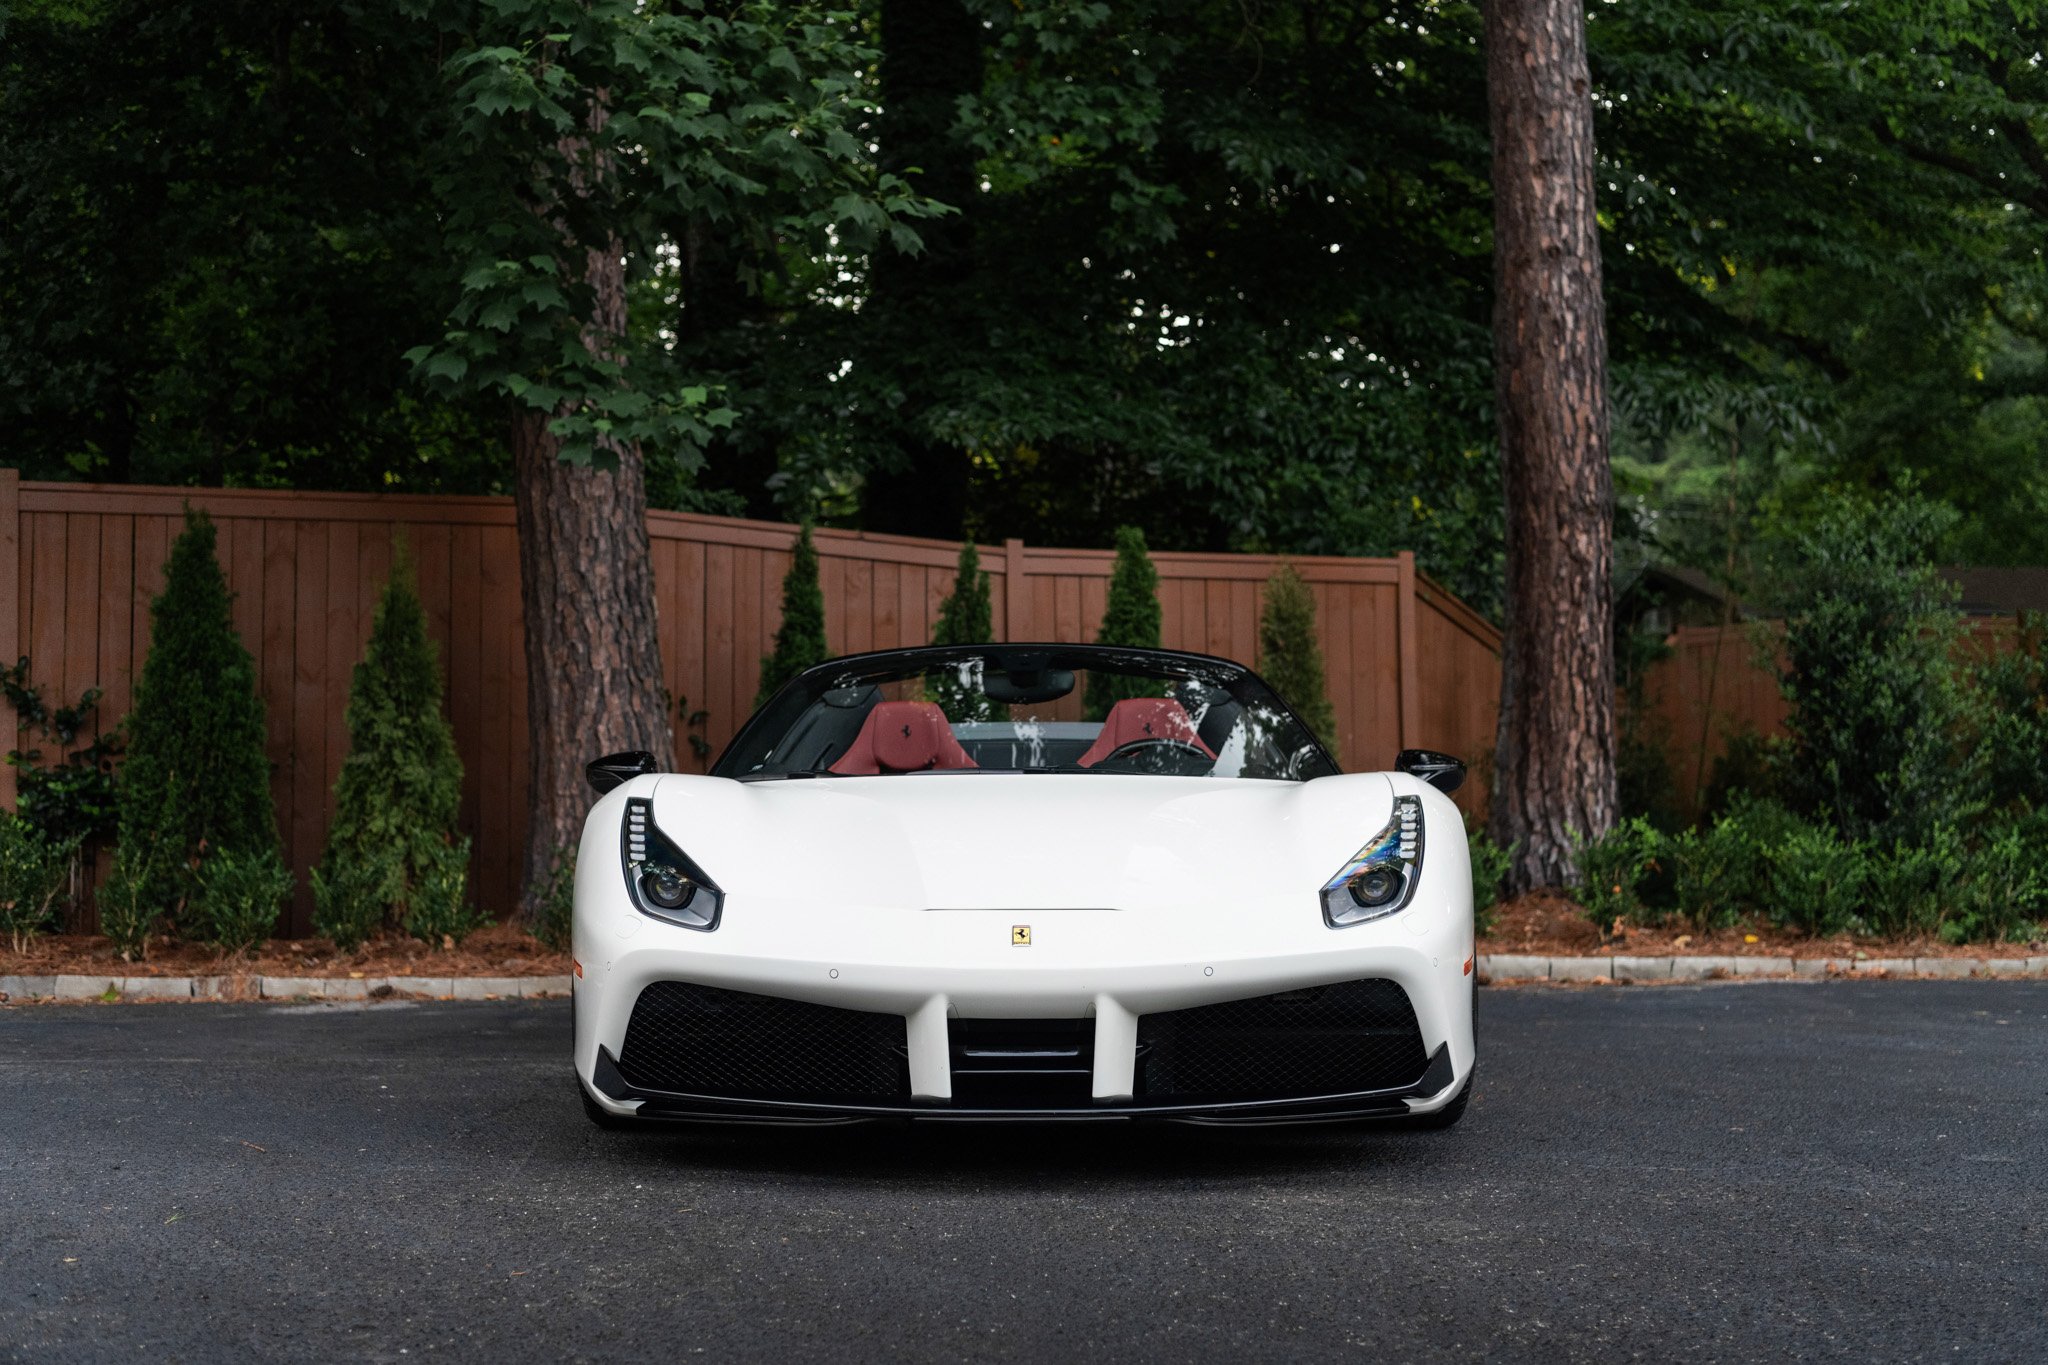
[1408,663]
[1722,681]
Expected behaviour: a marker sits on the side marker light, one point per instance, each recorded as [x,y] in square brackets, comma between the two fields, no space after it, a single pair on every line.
[1468,966]
[577,967]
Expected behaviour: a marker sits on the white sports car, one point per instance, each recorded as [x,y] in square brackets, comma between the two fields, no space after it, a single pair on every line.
[1024,882]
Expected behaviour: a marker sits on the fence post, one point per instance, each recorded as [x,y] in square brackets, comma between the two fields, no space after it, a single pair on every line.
[1407,644]
[1017,602]
[10,608]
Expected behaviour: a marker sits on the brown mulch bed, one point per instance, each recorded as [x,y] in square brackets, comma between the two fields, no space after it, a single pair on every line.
[1545,923]
[500,950]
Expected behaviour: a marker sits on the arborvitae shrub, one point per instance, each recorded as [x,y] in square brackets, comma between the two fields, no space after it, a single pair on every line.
[437,910]
[400,787]
[800,640]
[1130,617]
[1290,657]
[196,781]
[966,617]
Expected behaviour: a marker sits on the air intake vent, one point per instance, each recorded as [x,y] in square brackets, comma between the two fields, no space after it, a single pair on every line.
[1328,1040]
[701,1040]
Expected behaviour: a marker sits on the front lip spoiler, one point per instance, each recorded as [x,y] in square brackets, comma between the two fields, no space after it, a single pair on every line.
[1364,1104]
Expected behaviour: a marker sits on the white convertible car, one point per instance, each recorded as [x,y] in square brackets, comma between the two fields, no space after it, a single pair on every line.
[1024,882]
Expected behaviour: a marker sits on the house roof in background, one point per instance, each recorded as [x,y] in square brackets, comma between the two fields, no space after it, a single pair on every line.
[2000,592]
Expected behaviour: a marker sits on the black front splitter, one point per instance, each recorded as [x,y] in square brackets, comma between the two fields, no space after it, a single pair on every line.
[1368,1104]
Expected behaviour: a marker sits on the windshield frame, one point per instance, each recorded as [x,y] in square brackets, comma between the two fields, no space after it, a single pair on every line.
[886,664]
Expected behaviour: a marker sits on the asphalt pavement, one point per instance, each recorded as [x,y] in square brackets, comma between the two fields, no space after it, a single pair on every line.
[1842,1170]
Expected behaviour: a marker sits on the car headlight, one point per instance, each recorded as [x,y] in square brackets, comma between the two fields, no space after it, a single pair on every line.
[660,877]
[1380,878]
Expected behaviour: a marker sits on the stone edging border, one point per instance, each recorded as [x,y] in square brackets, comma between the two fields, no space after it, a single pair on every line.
[251,987]
[1616,967]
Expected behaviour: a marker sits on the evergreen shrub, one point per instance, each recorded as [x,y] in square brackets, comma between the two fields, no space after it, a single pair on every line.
[800,639]
[1489,869]
[34,870]
[239,896]
[399,790]
[436,910]
[127,914]
[1870,675]
[1290,655]
[556,905]
[196,782]
[1612,869]
[966,617]
[1130,617]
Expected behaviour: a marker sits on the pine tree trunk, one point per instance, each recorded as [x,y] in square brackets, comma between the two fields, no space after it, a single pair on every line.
[1555,762]
[586,589]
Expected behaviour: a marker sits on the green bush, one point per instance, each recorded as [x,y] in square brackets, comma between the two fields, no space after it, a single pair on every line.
[34,870]
[399,789]
[128,915]
[2010,705]
[2002,890]
[1489,869]
[196,782]
[800,639]
[1870,678]
[1612,869]
[966,617]
[1911,883]
[70,799]
[1290,656]
[349,906]
[1130,617]
[239,896]
[1818,880]
[556,906]
[439,910]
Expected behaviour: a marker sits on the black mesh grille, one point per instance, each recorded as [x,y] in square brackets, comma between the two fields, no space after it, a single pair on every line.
[701,1040]
[1328,1040]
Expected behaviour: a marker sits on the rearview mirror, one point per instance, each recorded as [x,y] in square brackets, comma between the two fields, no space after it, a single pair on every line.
[1441,771]
[615,770]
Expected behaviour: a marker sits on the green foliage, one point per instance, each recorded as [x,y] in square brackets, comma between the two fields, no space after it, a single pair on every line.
[438,911]
[612,126]
[397,795]
[1612,869]
[350,906]
[1870,675]
[2009,706]
[1290,656]
[800,639]
[966,617]
[1489,869]
[555,909]
[2004,892]
[1130,617]
[73,799]
[239,896]
[34,870]
[128,911]
[196,782]
[1818,879]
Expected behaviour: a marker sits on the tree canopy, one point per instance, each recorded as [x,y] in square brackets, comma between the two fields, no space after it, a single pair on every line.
[1217,272]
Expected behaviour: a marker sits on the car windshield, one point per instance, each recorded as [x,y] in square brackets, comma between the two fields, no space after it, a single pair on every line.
[1000,708]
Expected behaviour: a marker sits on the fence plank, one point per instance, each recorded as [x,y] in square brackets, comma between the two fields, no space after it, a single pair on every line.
[11,586]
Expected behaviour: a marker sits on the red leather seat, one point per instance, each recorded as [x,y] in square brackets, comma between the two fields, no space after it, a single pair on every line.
[903,737]
[1143,718]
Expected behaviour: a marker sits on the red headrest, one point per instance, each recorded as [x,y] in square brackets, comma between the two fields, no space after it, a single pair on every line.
[903,737]
[1143,718]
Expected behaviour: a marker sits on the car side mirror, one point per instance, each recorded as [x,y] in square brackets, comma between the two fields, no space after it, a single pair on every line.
[614,770]
[1441,771]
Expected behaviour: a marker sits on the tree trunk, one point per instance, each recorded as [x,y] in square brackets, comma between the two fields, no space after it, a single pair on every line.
[1554,772]
[586,589]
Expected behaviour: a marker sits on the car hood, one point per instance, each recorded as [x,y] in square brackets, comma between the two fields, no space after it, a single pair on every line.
[1000,841]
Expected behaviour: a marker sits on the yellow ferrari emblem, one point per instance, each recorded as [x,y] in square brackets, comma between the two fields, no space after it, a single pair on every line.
[1020,935]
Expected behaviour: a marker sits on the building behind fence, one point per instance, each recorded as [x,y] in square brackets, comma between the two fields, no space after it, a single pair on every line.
[1409,664]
